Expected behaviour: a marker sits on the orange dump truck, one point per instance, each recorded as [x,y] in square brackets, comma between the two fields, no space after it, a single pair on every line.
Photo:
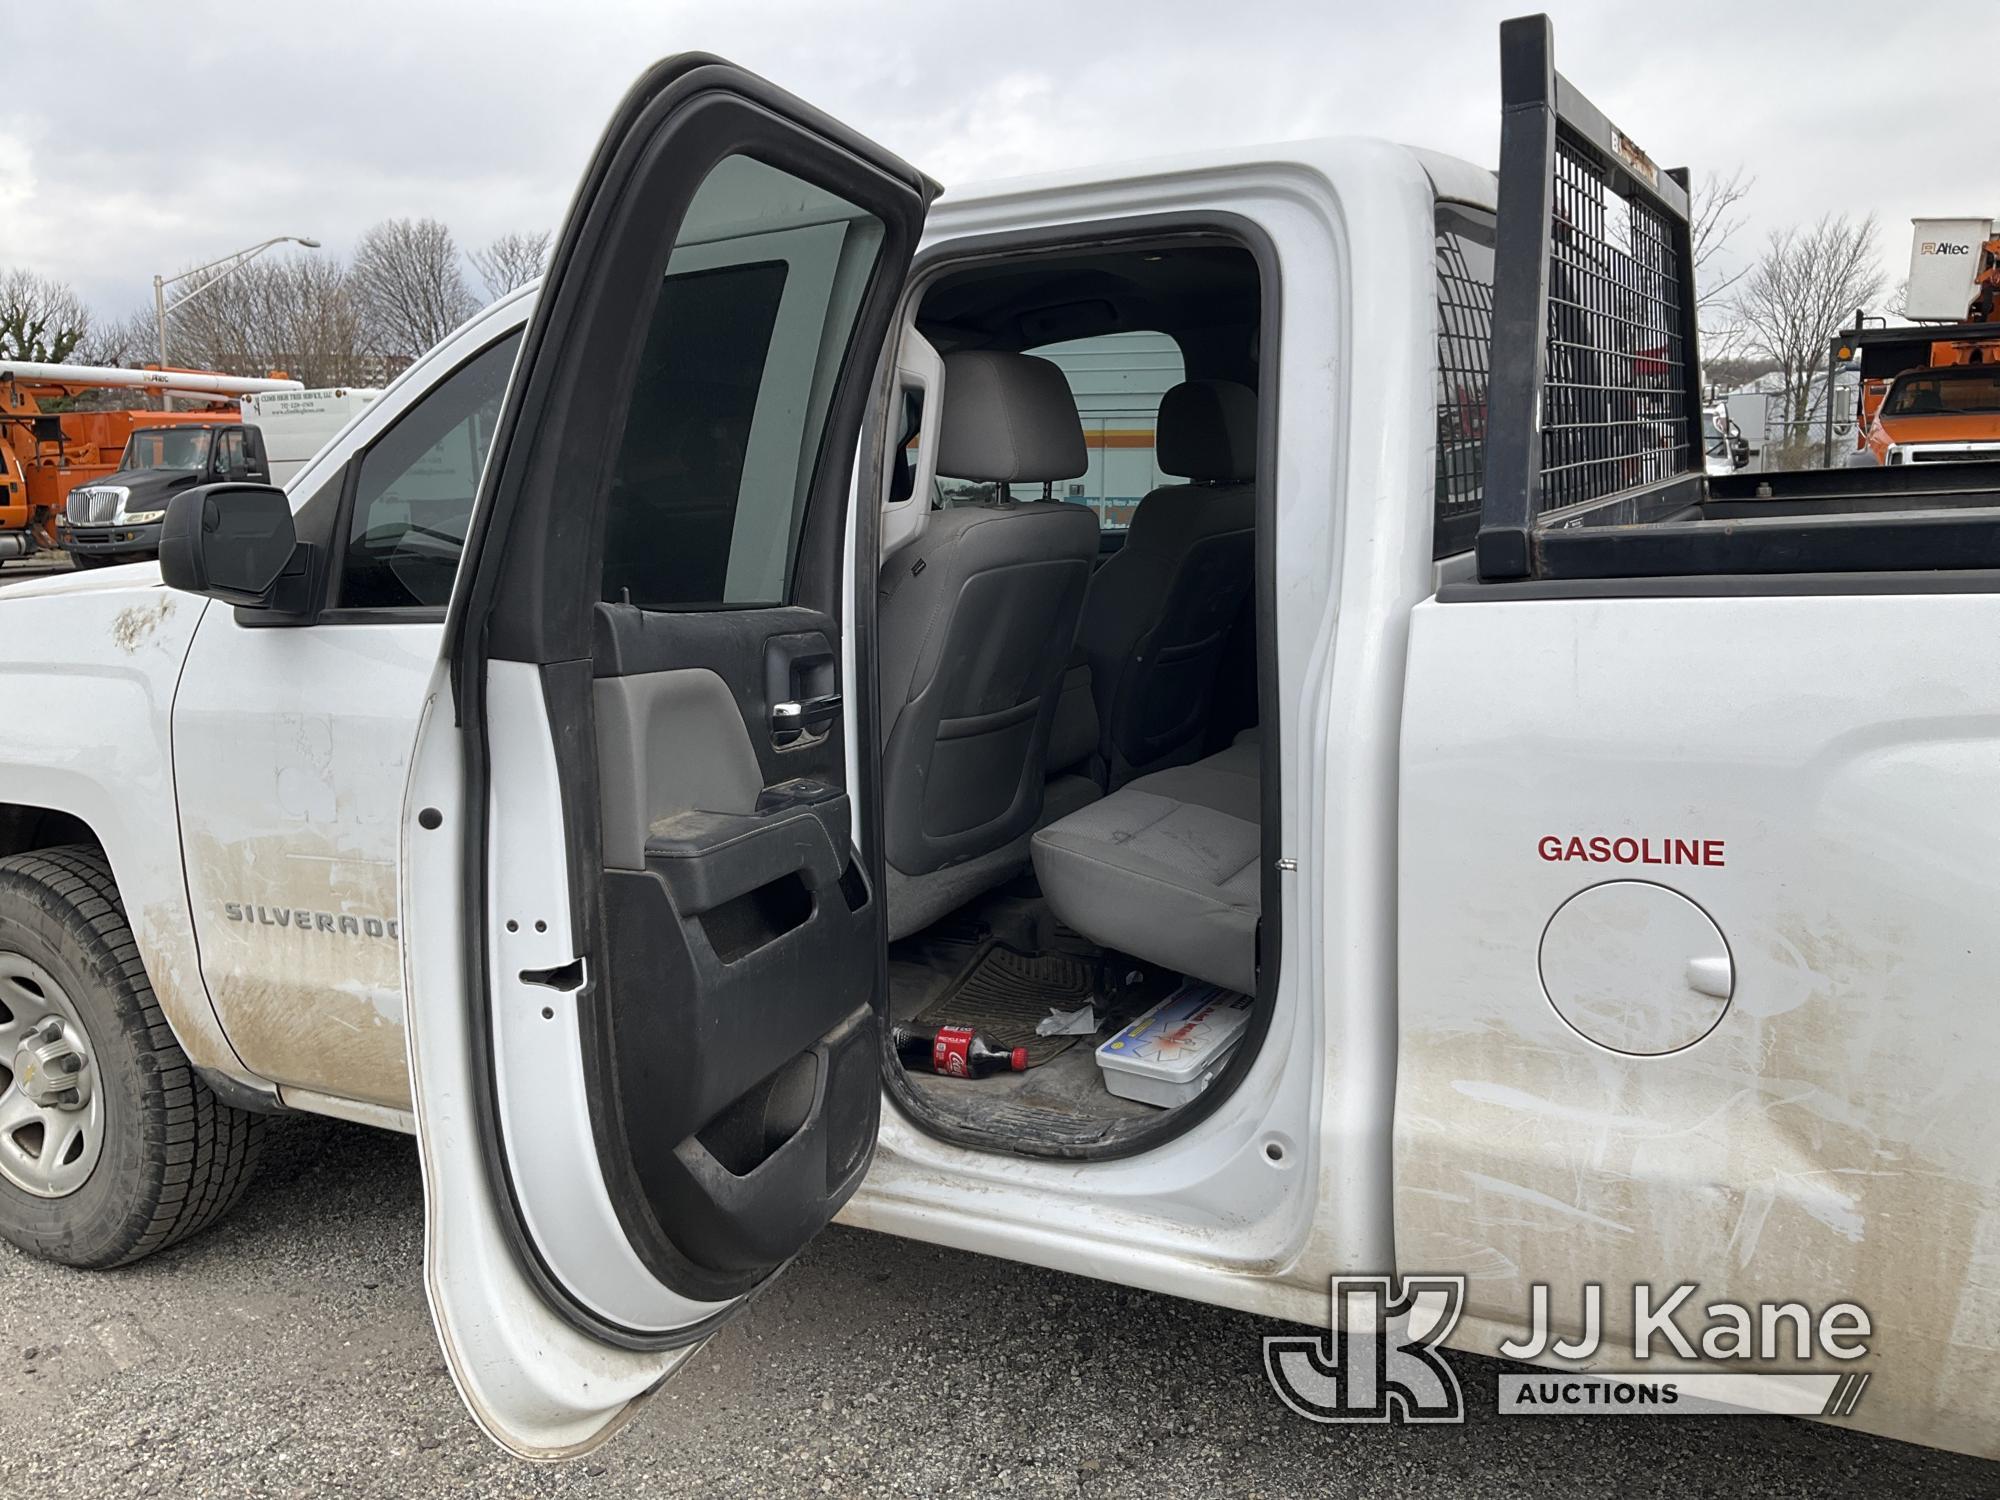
[46,451]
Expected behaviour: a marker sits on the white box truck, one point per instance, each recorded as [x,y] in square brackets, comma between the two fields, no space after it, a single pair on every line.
[297,424]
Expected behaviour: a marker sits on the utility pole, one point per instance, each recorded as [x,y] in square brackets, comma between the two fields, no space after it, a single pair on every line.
[231,263]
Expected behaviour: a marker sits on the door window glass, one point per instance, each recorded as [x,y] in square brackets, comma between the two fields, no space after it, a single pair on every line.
[413,496]
[744,343]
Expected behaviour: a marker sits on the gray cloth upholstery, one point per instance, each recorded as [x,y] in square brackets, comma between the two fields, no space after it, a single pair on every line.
[1167,868]
[916,901]
[1208,430]
[1073,736]
[1160,609]
[976,624]
[1008,417]
[976,621]
[1244,757]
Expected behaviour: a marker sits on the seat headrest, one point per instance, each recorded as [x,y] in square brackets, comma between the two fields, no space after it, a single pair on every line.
[1207,429]
[1008,417]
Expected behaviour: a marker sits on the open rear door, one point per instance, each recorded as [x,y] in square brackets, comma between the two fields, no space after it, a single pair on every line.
[643,954]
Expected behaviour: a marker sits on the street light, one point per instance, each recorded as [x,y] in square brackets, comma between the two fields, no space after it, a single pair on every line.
[231,264]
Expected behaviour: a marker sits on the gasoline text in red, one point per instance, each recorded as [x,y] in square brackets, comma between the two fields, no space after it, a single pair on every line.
[1602,849]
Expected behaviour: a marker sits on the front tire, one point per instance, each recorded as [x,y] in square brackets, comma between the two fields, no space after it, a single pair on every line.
[84,1047]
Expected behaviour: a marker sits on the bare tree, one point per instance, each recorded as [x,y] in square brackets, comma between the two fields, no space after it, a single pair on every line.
[511,261]
[299,314]
[127,341]
[41,319]
[1801,292]
[1732,372]
[409,285]
[1715,220]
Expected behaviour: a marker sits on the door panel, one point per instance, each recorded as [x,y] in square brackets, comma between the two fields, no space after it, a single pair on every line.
[669,1024]
[294,745]
[740,977]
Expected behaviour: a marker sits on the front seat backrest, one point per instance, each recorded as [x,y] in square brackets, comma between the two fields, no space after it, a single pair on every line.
[1160,609]
[976,619]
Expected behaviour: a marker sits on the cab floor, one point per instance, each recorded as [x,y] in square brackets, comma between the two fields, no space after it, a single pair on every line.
[1061,1101]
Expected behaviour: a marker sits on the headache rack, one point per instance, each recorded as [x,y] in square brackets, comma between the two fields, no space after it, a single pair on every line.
[1593,461]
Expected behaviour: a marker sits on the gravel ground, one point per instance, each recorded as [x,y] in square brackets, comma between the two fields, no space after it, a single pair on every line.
[288,1353]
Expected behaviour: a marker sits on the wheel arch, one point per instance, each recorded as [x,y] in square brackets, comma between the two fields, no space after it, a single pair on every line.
[26,827]
[155,899]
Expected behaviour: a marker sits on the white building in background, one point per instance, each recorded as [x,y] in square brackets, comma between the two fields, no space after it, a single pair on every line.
[1118,381]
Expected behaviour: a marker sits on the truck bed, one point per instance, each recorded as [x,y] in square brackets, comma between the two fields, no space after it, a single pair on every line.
[1933,517]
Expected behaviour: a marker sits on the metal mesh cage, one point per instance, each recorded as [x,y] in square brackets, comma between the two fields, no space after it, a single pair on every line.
[1594,397]
[1465,343]
[1615,408]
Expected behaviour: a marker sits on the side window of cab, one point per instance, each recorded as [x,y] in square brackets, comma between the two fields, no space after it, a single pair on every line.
[413,488]
[229,455]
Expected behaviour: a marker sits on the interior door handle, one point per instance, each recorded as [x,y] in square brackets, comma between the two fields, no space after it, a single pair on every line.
[807,715]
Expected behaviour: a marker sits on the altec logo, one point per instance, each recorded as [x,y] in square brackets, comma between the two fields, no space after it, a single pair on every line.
[1942,247]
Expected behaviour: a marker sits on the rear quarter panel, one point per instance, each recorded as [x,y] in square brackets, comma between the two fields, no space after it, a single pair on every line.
[1833,1138]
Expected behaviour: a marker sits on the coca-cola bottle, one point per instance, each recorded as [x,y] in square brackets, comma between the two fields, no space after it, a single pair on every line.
[956,1052]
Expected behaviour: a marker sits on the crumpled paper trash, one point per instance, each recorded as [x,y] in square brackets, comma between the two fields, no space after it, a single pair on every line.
[1079,1022]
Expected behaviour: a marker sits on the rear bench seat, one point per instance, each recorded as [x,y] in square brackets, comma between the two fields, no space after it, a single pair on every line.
[1166,867]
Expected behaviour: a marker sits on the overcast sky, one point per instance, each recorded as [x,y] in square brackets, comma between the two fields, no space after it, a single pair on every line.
[141,138]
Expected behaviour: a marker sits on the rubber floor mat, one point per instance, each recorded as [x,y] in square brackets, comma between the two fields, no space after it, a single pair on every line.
[1003,993]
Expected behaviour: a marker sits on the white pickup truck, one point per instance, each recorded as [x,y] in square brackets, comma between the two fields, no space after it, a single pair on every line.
[613,732]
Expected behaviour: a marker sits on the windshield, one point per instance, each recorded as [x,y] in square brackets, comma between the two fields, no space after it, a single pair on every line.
[1943,392]
[166,448]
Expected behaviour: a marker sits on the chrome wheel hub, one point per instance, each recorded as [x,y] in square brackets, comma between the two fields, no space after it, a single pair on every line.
[51,1110]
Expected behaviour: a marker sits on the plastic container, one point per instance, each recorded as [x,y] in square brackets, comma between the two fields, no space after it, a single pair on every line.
[1172,1052]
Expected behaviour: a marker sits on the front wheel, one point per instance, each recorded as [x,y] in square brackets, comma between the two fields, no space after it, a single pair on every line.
[110,1146]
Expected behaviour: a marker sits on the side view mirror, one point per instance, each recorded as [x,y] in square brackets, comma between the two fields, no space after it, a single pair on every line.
[228,541]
